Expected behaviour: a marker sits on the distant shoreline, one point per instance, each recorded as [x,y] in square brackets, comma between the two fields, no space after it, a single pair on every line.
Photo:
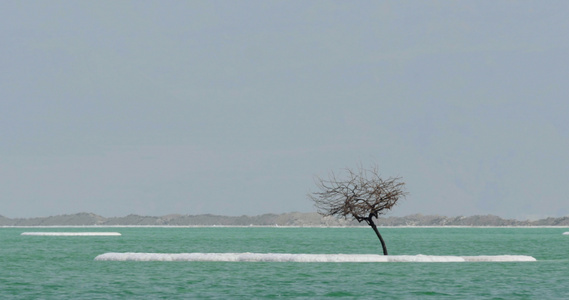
[294,219]
[267,226]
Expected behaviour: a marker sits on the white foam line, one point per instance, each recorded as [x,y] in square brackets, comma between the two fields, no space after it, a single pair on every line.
[284,257]
[566,233]
[72,233]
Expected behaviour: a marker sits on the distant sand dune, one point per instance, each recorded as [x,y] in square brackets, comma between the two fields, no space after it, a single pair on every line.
[294,219]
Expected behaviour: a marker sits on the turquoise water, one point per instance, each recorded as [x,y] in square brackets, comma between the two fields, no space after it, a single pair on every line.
[57,267]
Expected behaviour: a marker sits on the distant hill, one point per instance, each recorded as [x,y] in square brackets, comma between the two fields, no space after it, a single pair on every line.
[286,219]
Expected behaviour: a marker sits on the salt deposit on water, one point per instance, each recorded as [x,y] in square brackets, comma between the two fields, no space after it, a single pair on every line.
[72,233]
[284,257]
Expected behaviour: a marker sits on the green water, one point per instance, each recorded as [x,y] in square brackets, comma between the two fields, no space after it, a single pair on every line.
[52,267]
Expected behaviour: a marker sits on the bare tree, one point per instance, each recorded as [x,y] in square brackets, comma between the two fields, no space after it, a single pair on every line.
[362,195]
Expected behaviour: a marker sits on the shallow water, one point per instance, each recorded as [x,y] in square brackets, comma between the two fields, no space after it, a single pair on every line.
[56,267]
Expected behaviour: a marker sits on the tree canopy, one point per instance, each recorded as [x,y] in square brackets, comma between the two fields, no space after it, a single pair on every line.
[363,194]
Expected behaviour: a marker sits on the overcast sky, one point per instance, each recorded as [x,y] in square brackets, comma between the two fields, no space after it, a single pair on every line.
[232,107]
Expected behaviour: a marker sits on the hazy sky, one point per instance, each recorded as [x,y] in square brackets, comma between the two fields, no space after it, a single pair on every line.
[232,107]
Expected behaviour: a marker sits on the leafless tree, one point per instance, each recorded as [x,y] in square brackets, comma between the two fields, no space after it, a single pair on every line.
[362,195]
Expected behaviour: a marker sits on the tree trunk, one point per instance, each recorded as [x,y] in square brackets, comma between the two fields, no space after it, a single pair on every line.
[372,224]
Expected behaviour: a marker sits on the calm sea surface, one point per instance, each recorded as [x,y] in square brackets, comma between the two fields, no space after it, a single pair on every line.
[63,267]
